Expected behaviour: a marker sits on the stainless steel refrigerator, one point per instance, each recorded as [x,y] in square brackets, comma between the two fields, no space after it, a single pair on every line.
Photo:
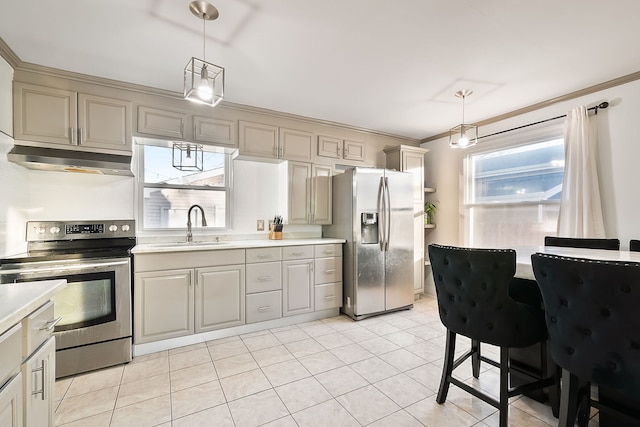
[373,212]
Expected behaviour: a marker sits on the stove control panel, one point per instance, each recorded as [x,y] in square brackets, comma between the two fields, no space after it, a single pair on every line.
[42,231]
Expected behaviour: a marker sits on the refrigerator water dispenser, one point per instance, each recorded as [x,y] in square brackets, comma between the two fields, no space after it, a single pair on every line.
[369,227]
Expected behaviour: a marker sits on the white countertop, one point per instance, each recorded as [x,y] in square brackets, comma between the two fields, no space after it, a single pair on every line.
[523,256]
[20,299]
[228,244]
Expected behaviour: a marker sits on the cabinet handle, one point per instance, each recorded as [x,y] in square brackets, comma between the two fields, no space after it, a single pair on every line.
[51,324]
[275,150]
[338,150]
[264,256]
[281,152]
[297,253]
[79,136]
[42,369]
[71,133]
[330,271]
[264,279]
[330,297]
[329,251]
[264,308]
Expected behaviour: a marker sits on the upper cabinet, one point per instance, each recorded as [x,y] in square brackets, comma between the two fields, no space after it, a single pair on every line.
[338,148]
[72,120]
[163,123]
[310,199]
[214,131]
[6,98]
[407,158]
[272,142]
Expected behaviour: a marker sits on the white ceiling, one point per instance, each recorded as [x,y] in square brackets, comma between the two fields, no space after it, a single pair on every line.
[390,66]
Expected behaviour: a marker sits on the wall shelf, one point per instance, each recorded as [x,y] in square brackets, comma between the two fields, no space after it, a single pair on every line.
[429,190]
[429,226]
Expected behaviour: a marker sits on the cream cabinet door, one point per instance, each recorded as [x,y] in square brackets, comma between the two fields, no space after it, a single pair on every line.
[299,192]
[11,410]
[163,123]
[259,140]
[296,145]
[414,164]
[297,286]
[6,97]
[44,114]
[329,146]
[104,122]
[353,150]
[321,191]
[163,305]
[38,374]
[214,131]
[219,297]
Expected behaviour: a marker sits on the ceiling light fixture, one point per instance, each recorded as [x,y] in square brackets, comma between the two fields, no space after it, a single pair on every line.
[463,135]
[203,81]
[187,157]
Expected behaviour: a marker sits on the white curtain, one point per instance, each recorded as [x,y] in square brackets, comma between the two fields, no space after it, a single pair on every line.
[580,207]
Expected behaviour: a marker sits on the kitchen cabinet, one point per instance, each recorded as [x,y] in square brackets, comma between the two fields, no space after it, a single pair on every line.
[6,97]
[162,123]
[338,148]
[214,131]
[297,280]
[61,118]
[411,159]
[310,197]
[176,302]
[272,142]
[264,284]
[11,403]
[39,385]
[328,276]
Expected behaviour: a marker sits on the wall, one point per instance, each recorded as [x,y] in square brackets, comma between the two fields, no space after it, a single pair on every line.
[618,154]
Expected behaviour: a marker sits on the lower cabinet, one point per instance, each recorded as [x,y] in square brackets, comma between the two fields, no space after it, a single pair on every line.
[328,277]
[264,306]
[38,373]
[297,285]
[11,403]
[219,297]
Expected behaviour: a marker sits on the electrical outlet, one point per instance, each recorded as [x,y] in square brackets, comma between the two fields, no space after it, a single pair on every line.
[261,225]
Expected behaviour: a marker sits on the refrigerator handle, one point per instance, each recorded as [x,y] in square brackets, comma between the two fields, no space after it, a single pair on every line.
[387,215]
[381,213]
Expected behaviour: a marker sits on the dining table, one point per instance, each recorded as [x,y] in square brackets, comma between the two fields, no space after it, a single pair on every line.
[537,358]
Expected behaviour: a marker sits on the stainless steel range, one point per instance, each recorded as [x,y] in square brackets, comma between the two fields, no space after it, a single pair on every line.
[95,308]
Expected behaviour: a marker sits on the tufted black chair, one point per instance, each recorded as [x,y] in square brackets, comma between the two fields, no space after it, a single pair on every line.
[472,287]
[634,245]
[580,242]
[591,311]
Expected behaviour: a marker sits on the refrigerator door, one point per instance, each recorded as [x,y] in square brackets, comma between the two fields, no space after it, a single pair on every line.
[399,255]
[369,259]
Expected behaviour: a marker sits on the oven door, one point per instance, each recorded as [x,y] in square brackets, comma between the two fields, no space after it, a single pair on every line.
[96,304]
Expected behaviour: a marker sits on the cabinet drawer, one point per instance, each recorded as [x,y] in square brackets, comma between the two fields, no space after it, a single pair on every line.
[10,353]
[265,276]
[330,250]
[328,270]
[263,254]
[297,252]
[37,328]
[264,306]
[328,296]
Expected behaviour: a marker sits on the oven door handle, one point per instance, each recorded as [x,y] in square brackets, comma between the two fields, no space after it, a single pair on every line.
[62,267]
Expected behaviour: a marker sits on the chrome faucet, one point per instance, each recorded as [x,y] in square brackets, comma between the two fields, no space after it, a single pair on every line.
[204,221]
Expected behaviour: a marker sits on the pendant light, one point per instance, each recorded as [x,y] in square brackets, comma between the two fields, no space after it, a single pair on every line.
[463,135]
[203,81]
[187,156]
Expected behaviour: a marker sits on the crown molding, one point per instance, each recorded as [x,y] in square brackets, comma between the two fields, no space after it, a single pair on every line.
[9,55]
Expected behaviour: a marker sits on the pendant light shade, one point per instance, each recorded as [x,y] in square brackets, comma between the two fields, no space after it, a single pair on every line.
[203,81]
[464,135]
[187,157]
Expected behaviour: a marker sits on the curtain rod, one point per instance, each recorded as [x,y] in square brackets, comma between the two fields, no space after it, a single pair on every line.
[595,109]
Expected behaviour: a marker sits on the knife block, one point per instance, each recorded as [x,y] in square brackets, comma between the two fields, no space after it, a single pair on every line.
[274,235]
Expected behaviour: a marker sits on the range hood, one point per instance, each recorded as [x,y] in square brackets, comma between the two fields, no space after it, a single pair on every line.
[52,159]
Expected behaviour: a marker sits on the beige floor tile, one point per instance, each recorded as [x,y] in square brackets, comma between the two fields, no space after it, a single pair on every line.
[146,413]
[86,405]
[285,372]
[535,408]
[139,370]
[374,369]
[195,399]
[367,404]
[218,416]
[333,340]
[99,420]
[424,332]
[318,329]
[259,342]
[403,390]
[330,413]
[144,389]
[96,380]
[470,404]
[402,359]
[235,365]
[257,409]
[222,350]
[291,335]
[403,338]
[241,385]
[302,394]
[398,419]
[62,385]
[223,340]
[341,323]
[189,358]
[426,350]
[429,412]
[381,328]
[378,345]
[320,362]
[359,334]
[186,348]
[341,380]
[287,421]
[149,356]
[403,323]
[428,375]
[351,353]
[517,418]
[272,355]
[304,348]
[192,376]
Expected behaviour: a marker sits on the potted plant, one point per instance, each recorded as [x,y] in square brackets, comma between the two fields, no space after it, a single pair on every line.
[429,209]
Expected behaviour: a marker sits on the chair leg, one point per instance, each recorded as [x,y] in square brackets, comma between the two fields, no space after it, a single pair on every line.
[570,397]
[475,358]
[504,386]
[447,368]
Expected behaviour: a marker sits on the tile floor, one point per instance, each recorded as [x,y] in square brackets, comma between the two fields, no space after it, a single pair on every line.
[381,371]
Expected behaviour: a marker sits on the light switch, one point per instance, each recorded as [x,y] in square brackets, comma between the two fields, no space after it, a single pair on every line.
[261,225]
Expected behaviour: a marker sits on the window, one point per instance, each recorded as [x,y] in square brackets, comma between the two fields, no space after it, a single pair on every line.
[167,193]
[512,191]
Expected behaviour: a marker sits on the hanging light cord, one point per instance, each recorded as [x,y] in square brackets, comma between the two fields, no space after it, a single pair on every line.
[204,45]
